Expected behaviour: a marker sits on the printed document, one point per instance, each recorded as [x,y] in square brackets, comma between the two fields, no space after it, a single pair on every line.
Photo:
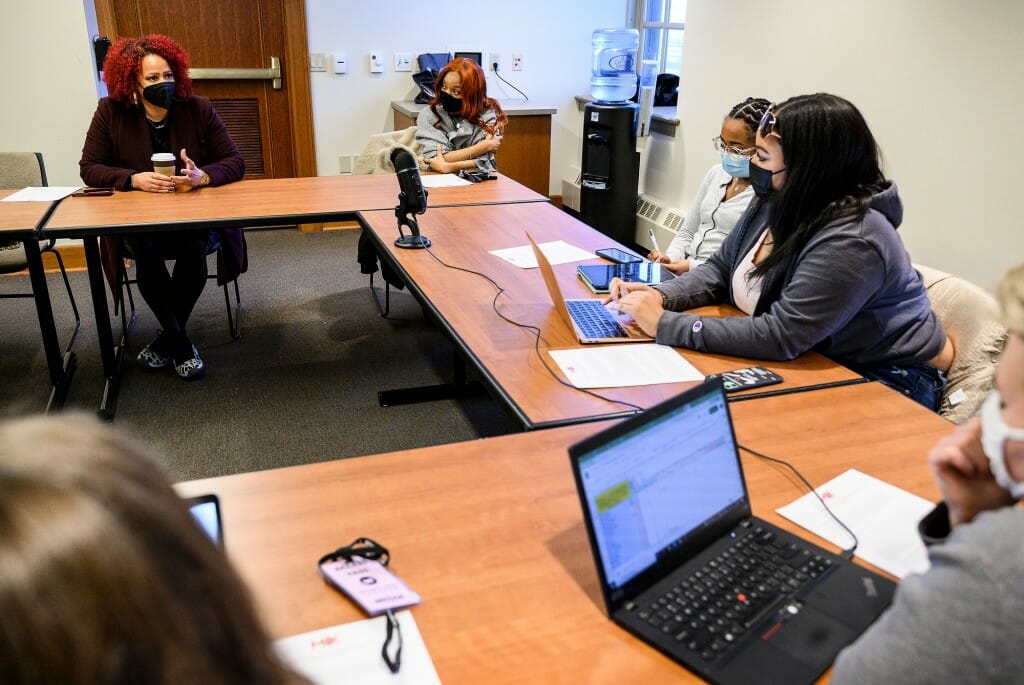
[443,181]
[45,194]
[882,516]
[620,366]
[557,252]
[350,653]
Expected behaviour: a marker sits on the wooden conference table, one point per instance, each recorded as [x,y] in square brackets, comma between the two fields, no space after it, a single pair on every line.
[504,354]
[248,203]
[490,532]
[22,221]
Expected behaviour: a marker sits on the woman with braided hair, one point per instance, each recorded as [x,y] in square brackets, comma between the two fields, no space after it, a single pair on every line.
[724,194]
[815,262]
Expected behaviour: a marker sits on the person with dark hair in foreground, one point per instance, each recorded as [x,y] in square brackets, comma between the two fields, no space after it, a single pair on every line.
[815,263]
[961,621]
[150,108]
[105,576]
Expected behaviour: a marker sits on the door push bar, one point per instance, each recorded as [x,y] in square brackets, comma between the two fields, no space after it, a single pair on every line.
[272,74]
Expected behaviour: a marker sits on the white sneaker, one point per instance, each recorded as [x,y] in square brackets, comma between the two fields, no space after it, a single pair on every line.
[192,368]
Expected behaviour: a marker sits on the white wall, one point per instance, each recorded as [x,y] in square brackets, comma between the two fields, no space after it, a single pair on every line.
[553,37]
[937,80]
[49,82]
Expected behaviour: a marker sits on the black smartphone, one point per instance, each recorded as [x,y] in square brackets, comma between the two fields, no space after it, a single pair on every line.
[614,254]
[91,192]
[747,378]
[206,510]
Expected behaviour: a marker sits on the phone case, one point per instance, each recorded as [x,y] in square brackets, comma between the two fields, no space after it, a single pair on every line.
[367,583]
[747,378]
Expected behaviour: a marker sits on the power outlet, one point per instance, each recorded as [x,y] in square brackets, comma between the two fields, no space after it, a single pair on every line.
[517,62]
[403,61]
[494,59]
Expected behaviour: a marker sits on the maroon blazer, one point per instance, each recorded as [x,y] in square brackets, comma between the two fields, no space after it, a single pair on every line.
[118,145]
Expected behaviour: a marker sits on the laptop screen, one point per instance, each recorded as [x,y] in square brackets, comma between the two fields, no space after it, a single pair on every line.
[648,489]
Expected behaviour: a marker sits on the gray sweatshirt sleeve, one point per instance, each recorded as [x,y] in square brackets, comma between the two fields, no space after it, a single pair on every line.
[451,137]
[831,282]
[959,622]
[428,137]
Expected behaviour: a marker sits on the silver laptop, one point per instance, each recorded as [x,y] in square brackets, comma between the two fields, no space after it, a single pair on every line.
[588,318]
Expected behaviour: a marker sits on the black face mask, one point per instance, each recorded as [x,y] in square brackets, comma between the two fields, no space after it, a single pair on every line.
[761,181]
[159,94]
[451,104]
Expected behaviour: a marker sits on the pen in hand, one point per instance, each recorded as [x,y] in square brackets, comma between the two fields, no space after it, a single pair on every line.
[654,240]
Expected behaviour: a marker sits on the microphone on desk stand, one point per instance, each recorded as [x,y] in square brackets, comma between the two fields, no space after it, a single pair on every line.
[412,199]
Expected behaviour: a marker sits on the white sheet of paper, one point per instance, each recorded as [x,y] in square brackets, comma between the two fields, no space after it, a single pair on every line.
[557,252]
[620,366]
[350,653]
[46,194]
[443,181]
[882,516]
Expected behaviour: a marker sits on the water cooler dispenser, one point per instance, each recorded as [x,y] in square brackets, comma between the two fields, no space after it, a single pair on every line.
[611,163]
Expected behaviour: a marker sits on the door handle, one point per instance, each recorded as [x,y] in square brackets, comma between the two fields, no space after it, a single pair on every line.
[223,74]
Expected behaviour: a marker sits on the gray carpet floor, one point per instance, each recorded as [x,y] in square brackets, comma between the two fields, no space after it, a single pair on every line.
[300,386]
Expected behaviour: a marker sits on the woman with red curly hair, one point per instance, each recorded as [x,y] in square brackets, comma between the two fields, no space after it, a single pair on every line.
[465,132]
[150,108]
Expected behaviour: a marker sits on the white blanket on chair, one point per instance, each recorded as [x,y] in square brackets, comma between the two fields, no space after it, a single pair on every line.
[376,156]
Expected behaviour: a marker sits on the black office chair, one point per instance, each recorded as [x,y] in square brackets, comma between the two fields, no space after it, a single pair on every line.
[234,317]
[26,169]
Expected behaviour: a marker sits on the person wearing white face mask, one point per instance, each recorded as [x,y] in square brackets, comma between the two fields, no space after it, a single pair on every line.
[723,195]
[961,621]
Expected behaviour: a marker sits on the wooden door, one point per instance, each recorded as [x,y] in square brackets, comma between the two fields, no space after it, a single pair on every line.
[272,126]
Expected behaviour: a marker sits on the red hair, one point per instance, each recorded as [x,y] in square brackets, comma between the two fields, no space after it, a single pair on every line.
[474,93]
[124,59]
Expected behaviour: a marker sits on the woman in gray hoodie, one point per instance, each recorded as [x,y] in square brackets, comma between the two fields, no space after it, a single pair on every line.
[815,263]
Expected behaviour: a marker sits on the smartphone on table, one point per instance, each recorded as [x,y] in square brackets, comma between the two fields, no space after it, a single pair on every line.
[90,191]
[614,254]
[747,378]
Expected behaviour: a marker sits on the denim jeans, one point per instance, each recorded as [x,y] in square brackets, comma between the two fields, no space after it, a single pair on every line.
[920,382]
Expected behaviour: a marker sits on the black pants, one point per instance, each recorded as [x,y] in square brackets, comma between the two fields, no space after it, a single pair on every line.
[172,295]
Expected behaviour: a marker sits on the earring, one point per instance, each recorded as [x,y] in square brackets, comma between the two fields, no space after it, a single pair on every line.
[135,98]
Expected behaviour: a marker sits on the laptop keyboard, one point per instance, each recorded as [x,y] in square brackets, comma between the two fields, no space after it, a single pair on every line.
[594,320]
[711,609]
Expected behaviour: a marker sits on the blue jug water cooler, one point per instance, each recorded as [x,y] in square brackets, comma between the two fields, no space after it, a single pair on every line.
[610,169]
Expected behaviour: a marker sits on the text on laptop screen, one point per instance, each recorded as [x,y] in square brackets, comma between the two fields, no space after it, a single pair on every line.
[648,489]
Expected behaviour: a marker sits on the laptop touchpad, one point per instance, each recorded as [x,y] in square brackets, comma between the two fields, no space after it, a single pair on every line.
[798,647]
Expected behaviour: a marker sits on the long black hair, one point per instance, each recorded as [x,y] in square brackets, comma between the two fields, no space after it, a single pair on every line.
[832,169]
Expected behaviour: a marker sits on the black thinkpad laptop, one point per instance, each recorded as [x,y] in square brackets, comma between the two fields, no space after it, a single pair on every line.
[684,565]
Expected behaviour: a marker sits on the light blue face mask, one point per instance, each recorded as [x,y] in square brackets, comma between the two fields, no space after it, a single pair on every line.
[736,166]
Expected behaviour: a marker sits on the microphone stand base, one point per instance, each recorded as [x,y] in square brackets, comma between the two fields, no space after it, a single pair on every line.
[412,242]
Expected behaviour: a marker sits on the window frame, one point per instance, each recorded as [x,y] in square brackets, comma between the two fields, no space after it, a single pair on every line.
[642,25]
